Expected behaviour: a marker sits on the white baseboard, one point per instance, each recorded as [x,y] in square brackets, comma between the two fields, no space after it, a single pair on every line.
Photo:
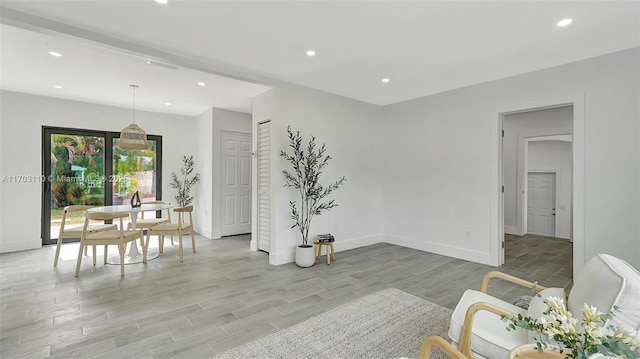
[279,258]
[7,247]
[442,249]
[511,230]
[437,248]
[343,245]
[216,234]
[203,232]
[284,257]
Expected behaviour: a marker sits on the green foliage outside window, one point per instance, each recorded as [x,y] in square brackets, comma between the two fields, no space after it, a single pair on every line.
[75,162]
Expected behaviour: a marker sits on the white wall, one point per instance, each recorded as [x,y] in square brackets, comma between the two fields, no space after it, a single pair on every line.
[436,174]
[203,204]
[517,127]
[21,119]
[223,121]
[441,160]
[555,156]
[421,173]
[352,133]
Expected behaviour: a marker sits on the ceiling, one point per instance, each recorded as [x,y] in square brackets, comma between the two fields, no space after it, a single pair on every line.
[241,48]
[98,75]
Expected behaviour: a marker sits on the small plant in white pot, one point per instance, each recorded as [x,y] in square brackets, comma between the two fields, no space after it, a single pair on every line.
[305,177]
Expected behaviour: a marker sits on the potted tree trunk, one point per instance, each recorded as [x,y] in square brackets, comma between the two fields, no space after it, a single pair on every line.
[307,166]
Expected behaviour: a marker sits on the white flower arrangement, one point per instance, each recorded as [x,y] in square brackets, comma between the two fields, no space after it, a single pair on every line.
[559,328]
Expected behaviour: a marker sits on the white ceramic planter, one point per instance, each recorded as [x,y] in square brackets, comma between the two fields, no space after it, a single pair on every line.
[305,256]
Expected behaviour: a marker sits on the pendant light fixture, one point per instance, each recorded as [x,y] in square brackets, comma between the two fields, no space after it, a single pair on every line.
[133,137]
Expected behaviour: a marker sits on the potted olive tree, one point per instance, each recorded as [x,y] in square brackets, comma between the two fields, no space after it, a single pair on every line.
[184,184]
[307,165]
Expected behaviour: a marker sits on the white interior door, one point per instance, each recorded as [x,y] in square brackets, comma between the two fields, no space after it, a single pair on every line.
[541,199]
[264,186]
[236,183]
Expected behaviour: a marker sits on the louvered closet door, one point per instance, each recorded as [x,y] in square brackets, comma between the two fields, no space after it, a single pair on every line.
[264,186]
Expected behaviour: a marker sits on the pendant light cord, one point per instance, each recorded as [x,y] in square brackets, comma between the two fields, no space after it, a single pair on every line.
[134,87]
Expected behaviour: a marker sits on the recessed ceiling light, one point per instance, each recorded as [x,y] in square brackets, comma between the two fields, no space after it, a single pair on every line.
[564,22]
[385,80]
[161,1]
[56,54]
[57,86]
[168,103]
[201,84]
[311,53]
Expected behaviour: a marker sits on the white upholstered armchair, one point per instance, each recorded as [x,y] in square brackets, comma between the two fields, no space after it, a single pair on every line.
[604,282]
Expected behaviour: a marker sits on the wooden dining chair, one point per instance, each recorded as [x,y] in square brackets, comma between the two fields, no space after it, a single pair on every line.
[180,228]
[146,223]
[75,232]
[117,237]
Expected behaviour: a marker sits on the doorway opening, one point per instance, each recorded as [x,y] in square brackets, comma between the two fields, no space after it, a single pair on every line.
[538,176]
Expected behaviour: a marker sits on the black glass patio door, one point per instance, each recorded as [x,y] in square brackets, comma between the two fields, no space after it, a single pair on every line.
[86,167]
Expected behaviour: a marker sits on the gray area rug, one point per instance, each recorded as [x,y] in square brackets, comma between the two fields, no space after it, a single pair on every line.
[387,324]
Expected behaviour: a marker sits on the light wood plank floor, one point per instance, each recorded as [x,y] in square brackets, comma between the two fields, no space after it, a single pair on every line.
[224,295]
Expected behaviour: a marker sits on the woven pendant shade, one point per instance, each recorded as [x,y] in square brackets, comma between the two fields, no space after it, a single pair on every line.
[133,137]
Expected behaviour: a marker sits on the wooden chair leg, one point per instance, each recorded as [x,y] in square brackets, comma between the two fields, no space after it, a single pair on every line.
[145,247]
[161,244]
[328,254]
[79,261]
[149,240]
[106,250]
[180,242]
[333,252]
[121,250]
[193,241]
[94,254]
[58,245]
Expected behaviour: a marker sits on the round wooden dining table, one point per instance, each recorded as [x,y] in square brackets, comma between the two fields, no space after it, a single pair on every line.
[135,254]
